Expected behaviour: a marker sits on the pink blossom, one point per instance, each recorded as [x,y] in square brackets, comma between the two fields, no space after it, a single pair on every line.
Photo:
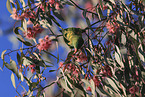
[112,27]
[46,37]
[44,44]
[41,41]
[81,57]
[32,66]
[132,90]
[61,64]
[32,70]
[29,22]
[33,31]
[75,73]
[42,7]
[14,14]
[37,28]
[27,14]
[51,1]
[30,34]
[88,6]
[57,6]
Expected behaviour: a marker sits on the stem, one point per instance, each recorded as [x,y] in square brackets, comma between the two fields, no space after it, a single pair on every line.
[18,50]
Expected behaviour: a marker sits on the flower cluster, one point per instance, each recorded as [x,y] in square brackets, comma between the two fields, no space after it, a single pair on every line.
[26,14]
[33,31]
[72,69]
[96,81]
[51,3]
[112,27]
[44,44]
[81,57]
[133,90]
[106,71]
[31,14]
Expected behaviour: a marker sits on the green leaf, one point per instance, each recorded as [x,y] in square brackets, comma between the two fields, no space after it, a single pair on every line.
[141,53]
[51,54]
[57,51]
[18,34]
[49,63]
[18,5]
[29,4]
[13,80]
[58,15]
[64,85]
[118,57]
[26,61]
[101,3]
[2,54]
[23,4]
[67,81]
[27,43]
[24,24]
[123,39]
[19,59]
[93,87]
[112,1]
[86,82]
[100,93]
[54,20]
[100,14]
[14,68]
[8,5]
[112,83]
[52,70]
[21,76]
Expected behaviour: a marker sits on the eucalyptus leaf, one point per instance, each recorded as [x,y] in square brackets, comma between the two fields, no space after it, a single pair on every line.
[141,53]
[118,57]
[100,93]
[26,61]
[113,84]
[13,80]
[64,85]
[8,5]
[2,54]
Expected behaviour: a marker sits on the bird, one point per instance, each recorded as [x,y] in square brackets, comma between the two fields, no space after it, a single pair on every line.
[73,37]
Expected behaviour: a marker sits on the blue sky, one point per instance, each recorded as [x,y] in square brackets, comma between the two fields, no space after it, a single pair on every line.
[6,87]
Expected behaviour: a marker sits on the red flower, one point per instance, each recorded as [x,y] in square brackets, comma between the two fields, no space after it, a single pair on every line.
[89,89]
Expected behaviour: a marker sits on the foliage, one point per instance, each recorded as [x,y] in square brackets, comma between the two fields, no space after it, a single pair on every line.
[106,40]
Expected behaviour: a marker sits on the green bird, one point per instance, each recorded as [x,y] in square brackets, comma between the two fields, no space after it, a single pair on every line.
[73,37]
